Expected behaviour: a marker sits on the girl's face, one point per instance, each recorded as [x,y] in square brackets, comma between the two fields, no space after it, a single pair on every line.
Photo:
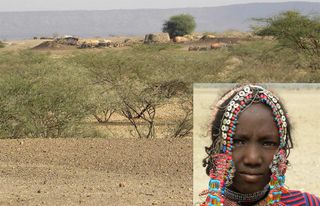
[256,141]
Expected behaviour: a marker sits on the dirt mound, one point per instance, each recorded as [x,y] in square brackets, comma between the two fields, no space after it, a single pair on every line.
[51,45]
[96,172]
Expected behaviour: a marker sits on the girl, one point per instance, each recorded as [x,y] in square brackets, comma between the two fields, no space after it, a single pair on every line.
[247,159]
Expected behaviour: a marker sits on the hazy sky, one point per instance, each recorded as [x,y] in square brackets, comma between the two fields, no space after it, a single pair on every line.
[36,5]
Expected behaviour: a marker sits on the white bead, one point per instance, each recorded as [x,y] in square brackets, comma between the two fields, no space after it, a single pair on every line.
[246,89]
[224,135]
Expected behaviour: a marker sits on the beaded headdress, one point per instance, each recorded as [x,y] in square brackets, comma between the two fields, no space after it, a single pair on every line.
[222,171]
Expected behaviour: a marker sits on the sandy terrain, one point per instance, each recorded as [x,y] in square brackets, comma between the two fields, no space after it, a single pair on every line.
[303,107]
[96,172]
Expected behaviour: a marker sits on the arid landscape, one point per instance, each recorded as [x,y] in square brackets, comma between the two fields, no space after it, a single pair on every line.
[109,120]
[96,172]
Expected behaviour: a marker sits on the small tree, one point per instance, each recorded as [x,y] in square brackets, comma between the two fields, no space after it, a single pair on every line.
[293,30]
[179,25]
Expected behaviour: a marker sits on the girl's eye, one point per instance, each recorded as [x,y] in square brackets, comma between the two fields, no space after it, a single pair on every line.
[239,142]
[270,144]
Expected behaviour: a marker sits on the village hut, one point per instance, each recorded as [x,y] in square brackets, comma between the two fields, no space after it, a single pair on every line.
[157,38]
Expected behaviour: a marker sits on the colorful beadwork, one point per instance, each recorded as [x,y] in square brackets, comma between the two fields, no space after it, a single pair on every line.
[217,184]
[222,173]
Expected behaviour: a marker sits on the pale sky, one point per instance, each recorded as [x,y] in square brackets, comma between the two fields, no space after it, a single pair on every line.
[38,5]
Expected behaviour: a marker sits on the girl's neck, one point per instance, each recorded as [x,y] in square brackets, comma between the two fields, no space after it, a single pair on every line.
[246,199]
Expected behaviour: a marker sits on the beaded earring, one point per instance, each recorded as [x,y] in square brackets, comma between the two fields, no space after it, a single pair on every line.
[219,178]
[278,168]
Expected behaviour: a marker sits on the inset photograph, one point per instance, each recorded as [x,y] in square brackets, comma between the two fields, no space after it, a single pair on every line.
[256,144]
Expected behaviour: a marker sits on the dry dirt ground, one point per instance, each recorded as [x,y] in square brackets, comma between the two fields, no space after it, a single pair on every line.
[96,172]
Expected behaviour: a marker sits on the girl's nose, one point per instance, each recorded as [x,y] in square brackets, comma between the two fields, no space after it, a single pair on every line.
[252,156]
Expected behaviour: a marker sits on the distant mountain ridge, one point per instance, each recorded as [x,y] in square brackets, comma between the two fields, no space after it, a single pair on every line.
[25,25]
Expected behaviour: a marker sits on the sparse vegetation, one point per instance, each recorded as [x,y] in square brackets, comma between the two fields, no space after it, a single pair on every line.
[39,97]
[179,25]
[147,88]
[295,31]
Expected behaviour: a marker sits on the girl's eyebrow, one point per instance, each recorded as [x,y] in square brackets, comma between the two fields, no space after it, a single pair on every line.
[264,137]
[269,138]
[241,136]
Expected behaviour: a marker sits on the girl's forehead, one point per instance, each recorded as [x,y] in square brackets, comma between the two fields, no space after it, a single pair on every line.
[256,115]
[251,103]
[257,108]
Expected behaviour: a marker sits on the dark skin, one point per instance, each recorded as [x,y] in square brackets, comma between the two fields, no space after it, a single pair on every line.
[256,141]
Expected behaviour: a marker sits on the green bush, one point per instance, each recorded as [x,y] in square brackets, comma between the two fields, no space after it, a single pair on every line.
[17,62]
[293,30]
[42,99]
[179,25]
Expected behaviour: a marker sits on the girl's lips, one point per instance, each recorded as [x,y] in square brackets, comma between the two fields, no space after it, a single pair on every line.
[252,178]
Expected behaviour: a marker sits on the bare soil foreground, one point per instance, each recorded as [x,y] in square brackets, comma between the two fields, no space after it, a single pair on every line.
[96,172]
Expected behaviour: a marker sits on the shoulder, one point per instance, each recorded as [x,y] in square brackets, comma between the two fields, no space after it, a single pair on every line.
[295,197]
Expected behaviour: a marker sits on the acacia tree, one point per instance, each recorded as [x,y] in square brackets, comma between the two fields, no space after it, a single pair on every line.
[126,91]
[179,25]
[131,87]
[292,30]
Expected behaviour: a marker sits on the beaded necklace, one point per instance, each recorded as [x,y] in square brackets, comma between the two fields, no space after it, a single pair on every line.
[223,170]
[252,197]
